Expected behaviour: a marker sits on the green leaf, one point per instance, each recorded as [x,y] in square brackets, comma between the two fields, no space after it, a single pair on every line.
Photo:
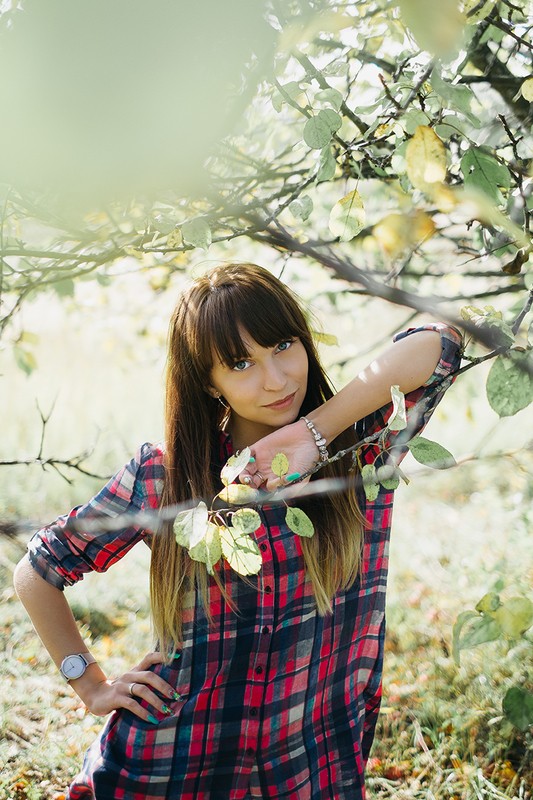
[240,551]
[292,89]
[430,453]
[280,465]
[488,603]
[190,526]
[197,232]
[317,132]
[326,165]
[488,317]
[24,359]
[509,387]
[331,96]
[370,482]
[482,171]
[64,288]
[460,622]
[481,629]
[347,217]
[301,207]
[209,549]
[238,494]
[517,706]
[234,466]
[336,69]
[515,616]
[388,476]
[246,520]
[398,418]
[319,129]
[298,521]
[457,97]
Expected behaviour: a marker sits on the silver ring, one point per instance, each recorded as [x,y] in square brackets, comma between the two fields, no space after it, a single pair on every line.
[130,689]
[260,475]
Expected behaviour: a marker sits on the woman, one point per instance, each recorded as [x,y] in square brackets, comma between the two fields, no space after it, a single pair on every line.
[264,687]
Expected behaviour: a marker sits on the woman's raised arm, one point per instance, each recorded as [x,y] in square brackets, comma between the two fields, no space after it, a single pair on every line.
[408,363]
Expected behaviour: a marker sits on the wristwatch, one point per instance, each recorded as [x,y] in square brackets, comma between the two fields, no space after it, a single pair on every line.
[74,666]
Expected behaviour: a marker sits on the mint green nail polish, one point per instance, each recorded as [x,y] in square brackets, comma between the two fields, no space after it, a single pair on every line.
[251,460]
[293,476]
[152,719]
[177,655]
[166,710]
[176,696]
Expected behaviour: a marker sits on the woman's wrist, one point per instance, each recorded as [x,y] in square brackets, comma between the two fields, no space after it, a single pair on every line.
[319,440]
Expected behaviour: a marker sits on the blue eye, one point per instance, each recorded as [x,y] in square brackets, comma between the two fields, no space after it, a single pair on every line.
[285,344]
[241,365]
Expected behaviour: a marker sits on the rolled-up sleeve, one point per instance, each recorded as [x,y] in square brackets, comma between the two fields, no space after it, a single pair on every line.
[420,403]
[64,551]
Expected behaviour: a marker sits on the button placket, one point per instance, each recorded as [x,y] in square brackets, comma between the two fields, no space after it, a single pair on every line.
[257,673]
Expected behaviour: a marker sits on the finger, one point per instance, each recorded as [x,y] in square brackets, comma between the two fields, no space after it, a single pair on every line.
[141,674]
[156,657]
[140,691]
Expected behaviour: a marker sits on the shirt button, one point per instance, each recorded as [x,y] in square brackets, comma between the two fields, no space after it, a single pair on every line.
[266,629]
[263,547]
[253,712]
[268,589]
[250,751]
[258,670]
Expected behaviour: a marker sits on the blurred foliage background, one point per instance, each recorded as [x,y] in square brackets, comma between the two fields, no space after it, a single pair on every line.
[378,157]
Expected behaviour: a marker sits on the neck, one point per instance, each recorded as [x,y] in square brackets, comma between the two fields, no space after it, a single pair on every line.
[244,434]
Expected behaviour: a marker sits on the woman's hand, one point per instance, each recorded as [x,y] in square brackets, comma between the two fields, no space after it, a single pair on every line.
[295,441]
[109,695]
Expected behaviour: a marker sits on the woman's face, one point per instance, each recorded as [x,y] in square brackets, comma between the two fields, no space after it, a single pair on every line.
[264,391]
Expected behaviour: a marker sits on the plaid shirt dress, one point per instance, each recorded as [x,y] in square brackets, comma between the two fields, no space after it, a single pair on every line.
[275,701]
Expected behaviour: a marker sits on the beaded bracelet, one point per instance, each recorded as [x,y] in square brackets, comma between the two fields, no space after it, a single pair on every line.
[319,440]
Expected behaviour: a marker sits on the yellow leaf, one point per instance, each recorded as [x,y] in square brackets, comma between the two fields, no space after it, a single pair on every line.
[437,27]
[391,233]
[240,551]
[527,90]
[238,494]
[426,158]
[280,465]
[481,10]
[234,466]
[325,338]
[395,232]
[347,217]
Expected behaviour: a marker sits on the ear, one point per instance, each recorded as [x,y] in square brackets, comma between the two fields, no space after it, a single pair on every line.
[213,392]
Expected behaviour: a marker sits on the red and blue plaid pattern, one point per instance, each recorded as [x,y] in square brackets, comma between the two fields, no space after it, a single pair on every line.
[276,701]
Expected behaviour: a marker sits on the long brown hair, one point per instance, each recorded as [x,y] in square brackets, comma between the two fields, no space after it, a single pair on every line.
[207,321]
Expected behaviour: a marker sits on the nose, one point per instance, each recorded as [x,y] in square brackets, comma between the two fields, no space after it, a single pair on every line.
[274,378]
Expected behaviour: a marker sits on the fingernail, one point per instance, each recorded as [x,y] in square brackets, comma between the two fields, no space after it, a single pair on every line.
[176,696]
[176,655]
[152,719]
[293,476]
[251,460]
[166,710]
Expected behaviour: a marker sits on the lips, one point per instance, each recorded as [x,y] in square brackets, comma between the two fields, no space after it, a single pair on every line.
[283,403]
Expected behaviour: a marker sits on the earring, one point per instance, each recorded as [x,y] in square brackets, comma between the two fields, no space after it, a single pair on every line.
[218,396]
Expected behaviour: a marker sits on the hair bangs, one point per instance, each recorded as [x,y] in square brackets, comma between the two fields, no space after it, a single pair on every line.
[236,312]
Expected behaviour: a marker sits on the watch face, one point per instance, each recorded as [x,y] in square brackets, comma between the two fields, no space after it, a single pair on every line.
[73,667]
